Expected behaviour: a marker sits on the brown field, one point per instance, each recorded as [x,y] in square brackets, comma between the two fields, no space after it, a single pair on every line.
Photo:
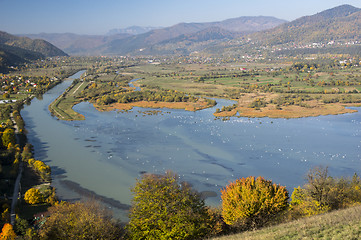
[316,108]
[188,106]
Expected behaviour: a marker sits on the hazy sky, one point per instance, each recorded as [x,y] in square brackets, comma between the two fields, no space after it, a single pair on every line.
[99,16]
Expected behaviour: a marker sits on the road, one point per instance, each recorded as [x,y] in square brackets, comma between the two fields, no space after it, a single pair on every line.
[16,193]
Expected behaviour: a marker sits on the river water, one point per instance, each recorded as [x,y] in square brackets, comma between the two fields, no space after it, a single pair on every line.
[107,152]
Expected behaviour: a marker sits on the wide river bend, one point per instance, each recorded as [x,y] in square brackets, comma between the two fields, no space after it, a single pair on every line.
[104,154]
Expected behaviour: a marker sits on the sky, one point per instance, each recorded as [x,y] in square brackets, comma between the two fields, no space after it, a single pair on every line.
[100,16]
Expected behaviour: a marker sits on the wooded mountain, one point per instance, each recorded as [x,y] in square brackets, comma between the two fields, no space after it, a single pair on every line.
[150,42]
[15,50]
[229,37]
[187,43]
[37,45]
[341,24]
[75,44]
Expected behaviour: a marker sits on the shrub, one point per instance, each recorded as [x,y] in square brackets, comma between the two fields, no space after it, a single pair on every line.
[250,202]
[79,221]
[163,208]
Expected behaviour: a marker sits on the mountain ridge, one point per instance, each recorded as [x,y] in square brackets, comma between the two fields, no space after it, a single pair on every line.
[136,44]
[230,36]
[132,44]
[15,50]
[326,25]
[323,32]
[36,45]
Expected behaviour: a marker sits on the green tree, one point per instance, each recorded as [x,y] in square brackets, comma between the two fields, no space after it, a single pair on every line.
[8,137]
[21,226]
[79,221]
[323,193]
[250,202]
[163,208]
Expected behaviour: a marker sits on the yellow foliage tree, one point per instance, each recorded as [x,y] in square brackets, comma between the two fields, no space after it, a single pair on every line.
[250,202]
[33,196]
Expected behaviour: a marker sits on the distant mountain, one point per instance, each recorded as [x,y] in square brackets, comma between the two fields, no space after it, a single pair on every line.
[37,45]
[249,24]
[339,23]
[16,50]
[324,32]
[187,43]
[75,44]
[134,30]
[212,33]
[146,41]
[149,40]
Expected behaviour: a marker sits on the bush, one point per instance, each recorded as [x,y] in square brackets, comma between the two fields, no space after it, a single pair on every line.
[79,221]
[250,202]
[163,208]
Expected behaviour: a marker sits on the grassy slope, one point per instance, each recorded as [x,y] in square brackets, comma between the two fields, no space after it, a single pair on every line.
[342,224]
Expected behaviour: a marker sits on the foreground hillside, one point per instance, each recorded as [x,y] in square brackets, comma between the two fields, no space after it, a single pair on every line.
[341,224]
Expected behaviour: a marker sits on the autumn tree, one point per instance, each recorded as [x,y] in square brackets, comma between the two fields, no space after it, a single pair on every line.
[7,232]
[41,168]
[322,193]
[33,196]
[79,221]
[250,202]
[164,208]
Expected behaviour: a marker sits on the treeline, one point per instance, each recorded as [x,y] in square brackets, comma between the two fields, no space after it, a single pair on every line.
[147,95]
[165,208]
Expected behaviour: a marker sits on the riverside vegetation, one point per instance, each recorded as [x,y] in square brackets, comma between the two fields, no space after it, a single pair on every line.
[283,87]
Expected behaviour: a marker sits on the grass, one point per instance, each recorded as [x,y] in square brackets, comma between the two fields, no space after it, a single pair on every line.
[341,224]
[62,107]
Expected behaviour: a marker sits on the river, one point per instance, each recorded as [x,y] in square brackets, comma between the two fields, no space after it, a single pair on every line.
[107,152]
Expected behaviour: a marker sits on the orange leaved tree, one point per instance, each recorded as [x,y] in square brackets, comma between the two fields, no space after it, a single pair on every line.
[7,232]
